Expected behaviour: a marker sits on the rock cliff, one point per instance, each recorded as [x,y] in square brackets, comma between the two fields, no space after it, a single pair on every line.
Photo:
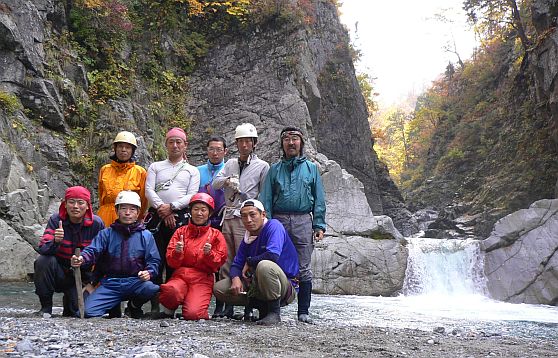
[521,260]
[53,135]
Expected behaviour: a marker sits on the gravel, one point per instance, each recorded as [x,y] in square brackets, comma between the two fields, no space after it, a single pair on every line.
[24,335]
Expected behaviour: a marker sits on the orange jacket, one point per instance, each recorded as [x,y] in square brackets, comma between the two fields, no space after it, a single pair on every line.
[115,177]
[192,256]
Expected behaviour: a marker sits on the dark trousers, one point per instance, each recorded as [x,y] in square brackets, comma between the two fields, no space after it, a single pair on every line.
[50,277]
[162,235]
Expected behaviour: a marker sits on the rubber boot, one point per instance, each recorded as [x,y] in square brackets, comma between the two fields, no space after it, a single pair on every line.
[229,311]
[133,310]
[46,306]
[304,298]
[260,305]
[274,313]
[248,313]
[218,312]
[115,312]
[155,304]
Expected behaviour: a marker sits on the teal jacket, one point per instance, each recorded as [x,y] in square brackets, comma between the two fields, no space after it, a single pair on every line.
[295,186]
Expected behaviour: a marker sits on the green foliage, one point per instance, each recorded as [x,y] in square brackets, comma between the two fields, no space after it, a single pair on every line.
[366,84]
[262,12]
[84,158]
[113,82]
[500,19]
[453,157]
[9,102]
[391,135]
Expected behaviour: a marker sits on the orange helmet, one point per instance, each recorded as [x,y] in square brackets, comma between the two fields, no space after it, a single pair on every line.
[203,198]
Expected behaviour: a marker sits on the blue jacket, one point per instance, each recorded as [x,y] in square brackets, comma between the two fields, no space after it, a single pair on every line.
[123,251]
[274,244]
[295,186]
[207,173]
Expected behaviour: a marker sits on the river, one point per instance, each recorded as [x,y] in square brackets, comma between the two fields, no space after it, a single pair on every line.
[444,288]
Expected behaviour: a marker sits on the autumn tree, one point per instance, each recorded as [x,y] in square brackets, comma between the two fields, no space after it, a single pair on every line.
[493,16]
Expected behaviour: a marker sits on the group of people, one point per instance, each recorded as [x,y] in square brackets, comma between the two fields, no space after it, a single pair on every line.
[166,235]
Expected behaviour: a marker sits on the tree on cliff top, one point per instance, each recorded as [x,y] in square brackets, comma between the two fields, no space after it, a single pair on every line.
[494,17]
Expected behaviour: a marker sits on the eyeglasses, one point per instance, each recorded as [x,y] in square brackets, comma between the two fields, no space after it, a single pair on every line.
[215,150]
[78,202]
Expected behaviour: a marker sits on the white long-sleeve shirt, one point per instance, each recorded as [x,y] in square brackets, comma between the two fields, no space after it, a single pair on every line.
[161,188]
[251,182]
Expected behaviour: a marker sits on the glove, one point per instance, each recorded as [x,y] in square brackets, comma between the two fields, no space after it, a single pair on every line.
[234,183]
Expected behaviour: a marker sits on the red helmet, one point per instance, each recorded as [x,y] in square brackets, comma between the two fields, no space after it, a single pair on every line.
[203,198]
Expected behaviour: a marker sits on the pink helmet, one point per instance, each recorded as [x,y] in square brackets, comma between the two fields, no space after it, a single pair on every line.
[203,198]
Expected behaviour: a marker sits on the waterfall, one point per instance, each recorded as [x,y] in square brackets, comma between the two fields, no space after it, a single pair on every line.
[450,267]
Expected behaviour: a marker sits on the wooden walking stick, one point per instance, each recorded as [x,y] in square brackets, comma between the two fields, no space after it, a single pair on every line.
[79,289]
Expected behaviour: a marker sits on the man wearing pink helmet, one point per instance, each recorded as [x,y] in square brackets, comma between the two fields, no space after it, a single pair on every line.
[195,252]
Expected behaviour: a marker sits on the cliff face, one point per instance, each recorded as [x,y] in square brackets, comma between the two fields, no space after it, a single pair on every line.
[495,153]
[303,76]
[53,135]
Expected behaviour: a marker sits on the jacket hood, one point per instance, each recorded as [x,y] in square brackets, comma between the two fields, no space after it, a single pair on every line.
[127,230]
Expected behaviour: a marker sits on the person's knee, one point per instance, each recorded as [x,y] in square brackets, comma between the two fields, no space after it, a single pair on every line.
[220,289]
[169,296]
[268,270]
[44,262]
[194,313]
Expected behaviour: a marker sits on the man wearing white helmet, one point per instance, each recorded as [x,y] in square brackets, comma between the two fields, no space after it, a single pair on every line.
[242,179]
[127,259]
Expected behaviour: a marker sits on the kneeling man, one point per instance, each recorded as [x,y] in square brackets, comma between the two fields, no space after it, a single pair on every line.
[126,257]
[264,270]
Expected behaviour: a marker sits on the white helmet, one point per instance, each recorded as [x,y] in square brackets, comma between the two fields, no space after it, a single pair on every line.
[128,197]
[126,137]
[245,130]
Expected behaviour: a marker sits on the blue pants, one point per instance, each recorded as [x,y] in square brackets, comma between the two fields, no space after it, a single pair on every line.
[114,290]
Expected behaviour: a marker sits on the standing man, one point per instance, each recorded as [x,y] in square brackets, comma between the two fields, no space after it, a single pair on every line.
[263,273]
[127,259]
[242,179]
[216,151]
[74,226]
[294,195]
[169,186]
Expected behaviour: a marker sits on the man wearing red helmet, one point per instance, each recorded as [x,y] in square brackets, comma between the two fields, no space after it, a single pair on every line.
[196,251]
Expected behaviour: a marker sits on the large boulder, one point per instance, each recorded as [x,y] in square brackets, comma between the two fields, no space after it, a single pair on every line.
[17,255]
[521,263]
[362,254]
[358,265]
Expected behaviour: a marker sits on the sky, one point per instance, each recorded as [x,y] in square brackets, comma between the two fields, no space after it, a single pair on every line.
[402,43]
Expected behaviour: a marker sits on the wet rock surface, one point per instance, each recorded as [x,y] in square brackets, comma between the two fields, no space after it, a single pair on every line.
[65,337]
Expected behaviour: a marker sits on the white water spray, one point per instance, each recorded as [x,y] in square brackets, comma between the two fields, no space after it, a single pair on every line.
[444,268]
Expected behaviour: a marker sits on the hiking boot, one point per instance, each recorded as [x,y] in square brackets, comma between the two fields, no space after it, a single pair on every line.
[274,313]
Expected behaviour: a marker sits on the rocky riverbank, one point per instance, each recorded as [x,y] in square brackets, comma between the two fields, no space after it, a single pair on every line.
[22,335]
